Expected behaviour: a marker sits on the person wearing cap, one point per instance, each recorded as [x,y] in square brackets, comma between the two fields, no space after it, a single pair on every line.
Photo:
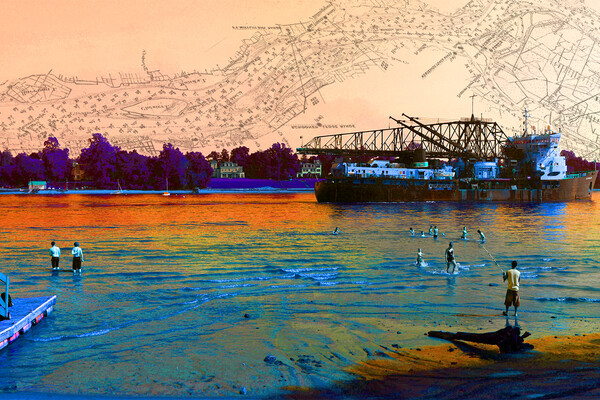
[55,254]
[77,258]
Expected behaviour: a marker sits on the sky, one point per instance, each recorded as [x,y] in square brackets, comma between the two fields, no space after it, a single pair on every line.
[87,39]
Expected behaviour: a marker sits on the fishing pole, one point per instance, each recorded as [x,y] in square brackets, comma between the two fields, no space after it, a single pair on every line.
[493,259]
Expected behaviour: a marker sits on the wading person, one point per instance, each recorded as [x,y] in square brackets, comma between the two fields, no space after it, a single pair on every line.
[435,232]
[77,258]
[419,258]
[513,276]
[481,235]
[55,254]
[464,233]
[450,258]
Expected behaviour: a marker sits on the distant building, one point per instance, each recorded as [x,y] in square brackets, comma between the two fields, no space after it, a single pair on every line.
[37,185]
[78,172]
[226,169]
[310,170]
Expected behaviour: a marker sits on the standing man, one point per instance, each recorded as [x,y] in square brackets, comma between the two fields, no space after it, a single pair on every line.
[513,276]
[55,254]
[450,258]
[78,258]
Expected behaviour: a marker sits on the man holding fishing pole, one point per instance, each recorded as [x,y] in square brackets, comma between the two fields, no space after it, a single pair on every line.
[513,276]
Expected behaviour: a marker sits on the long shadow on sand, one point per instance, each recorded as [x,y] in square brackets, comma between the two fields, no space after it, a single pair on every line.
[559,368]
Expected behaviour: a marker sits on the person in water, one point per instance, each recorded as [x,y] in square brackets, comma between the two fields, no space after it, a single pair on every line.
[419,257]
[450,258]
[481,235]
[335,231]
[412,231]
[422,234]
[464,233]
[513,276]
[435,232]
[431,229]
[55,254]
[77,258]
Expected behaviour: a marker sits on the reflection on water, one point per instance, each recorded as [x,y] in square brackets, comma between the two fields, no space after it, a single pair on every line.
[189,295]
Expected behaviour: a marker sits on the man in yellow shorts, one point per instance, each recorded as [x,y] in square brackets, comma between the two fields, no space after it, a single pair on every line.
[513,276]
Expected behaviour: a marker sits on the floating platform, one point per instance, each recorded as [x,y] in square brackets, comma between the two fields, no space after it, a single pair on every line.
[25,313]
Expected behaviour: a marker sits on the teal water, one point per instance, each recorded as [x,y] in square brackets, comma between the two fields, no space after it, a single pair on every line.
[189,295]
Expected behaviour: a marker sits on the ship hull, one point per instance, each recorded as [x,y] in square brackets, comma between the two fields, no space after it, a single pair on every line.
[360,190]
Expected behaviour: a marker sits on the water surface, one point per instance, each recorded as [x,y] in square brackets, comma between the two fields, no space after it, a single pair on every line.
[187,295]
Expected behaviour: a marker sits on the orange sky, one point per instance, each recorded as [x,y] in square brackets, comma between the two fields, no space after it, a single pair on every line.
[89,38]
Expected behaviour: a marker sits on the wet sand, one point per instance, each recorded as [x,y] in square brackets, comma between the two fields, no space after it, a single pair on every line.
[557,367]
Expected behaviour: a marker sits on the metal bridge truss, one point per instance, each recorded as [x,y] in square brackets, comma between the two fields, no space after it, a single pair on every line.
[468,138]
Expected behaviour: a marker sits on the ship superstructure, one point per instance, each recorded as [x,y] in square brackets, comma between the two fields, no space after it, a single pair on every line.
[465,160]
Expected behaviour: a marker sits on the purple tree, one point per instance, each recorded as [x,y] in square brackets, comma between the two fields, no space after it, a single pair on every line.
[57,163]
[277,162]
[99,161]
[213,155]
[283,162]
[133,170]
[172,166]
[27,168]
[240,156]
[224,156]
[198,170]
[6,168]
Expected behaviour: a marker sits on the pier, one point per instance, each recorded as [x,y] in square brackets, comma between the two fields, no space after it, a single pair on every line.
[25,313]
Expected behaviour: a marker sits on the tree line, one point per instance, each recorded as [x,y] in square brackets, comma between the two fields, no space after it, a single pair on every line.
[104,165]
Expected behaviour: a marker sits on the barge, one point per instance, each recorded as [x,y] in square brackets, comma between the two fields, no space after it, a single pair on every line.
[530,169]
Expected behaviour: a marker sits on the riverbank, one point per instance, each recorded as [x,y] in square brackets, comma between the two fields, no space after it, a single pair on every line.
[217,185]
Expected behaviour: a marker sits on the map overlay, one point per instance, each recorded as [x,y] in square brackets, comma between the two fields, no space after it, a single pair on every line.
[507,55]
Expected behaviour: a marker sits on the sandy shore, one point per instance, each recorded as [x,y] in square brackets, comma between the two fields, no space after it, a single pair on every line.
[557,367]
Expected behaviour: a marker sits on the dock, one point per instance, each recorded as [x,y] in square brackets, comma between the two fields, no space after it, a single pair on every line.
[25,313]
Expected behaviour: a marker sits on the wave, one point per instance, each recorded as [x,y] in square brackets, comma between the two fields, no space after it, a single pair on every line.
[81,335]
[232,280]
[237,286]
[568,299]
[299,270]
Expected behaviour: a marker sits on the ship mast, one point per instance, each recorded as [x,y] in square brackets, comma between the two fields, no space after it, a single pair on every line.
[526,115]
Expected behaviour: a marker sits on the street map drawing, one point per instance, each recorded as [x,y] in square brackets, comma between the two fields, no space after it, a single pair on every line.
[496,57]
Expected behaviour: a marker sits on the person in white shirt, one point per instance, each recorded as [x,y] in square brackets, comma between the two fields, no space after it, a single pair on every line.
[55,254]
[513,276]
[77,258]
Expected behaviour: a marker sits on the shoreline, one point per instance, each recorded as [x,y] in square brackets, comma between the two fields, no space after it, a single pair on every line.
[100,192]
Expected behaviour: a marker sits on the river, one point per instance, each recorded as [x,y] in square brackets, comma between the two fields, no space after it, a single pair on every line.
[190,295]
